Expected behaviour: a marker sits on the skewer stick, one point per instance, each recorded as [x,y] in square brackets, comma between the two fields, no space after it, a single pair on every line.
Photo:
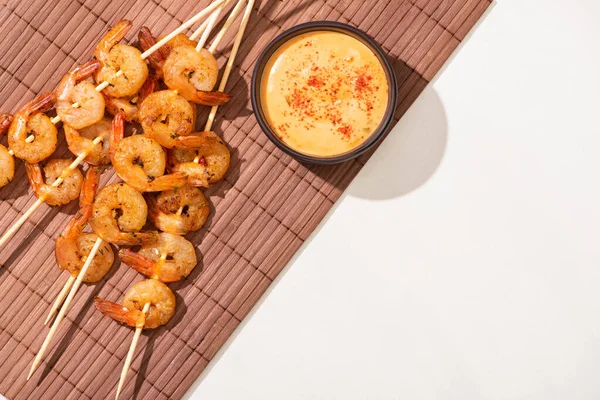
[183,27]
[210,25]
[232,16]
[131,352]
[59,299]
[199,31]
[64,308]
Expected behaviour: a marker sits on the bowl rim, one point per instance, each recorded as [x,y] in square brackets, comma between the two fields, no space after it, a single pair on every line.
[358,34]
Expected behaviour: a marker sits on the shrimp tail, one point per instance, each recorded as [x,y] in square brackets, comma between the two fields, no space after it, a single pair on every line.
[147,88]
[211,98]
[193,141]
[5,121]
[135,238]
[66,246]
[157,58]
[141,264]
[41,103]
[86,70]
[118,312]
[34,175]
[117,133]
[167,182]
[112,37]
[198,181]
[90,186]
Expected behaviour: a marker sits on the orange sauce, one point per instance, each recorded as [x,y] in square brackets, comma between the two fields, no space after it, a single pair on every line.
[324,93]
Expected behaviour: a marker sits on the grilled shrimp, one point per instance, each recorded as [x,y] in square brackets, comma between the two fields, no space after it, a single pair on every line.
[213,161]
[161,299]
[140,161]
[191,73]
[7,162]
[163,210]
[81,141]
[74,89]
[170,259]
[169,119]
[129,105]
[73,245]
[31,120]
[118,215]
[120,57]
[67,191]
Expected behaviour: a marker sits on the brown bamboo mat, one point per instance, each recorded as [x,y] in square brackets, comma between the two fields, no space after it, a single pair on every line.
[261,213]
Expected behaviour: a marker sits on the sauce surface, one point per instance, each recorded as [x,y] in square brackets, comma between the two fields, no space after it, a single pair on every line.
[324,93]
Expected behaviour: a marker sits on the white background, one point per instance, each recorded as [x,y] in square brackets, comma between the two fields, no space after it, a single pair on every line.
[463,261]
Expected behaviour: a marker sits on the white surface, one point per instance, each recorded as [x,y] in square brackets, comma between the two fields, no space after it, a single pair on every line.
[463,261]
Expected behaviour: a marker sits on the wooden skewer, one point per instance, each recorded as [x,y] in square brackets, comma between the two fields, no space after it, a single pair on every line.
[183,27]
[210,25]
[131,352]
[64,308]
[232,16]
[59,299]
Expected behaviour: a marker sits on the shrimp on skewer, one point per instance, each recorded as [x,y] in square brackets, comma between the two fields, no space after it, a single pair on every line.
[141,161]
[41,179]
[192,73]
[213,160]
[31,120]
[157,294]
[121,65]
[163,210]
[168,118]
[73,88]
[170,259]
[118,214]
[130,105]
[7,162]
[81,141]
[73,245]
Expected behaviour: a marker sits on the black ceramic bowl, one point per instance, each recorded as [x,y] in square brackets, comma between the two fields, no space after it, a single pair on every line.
[263,59]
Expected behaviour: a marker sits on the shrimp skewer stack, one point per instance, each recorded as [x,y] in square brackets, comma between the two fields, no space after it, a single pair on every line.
[71,116]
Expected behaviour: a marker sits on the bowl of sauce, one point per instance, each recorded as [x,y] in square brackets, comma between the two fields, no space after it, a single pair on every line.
[324,92]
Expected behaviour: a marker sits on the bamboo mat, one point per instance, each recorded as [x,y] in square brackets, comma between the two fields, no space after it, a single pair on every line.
[261,213]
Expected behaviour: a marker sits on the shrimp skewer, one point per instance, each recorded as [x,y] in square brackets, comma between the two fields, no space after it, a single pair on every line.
[158,307]
[99,241]
[99,88]
[170,259]
[141,161]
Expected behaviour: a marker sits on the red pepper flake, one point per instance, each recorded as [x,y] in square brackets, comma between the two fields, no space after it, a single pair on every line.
[316,81]
[345,130]
[202,161]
